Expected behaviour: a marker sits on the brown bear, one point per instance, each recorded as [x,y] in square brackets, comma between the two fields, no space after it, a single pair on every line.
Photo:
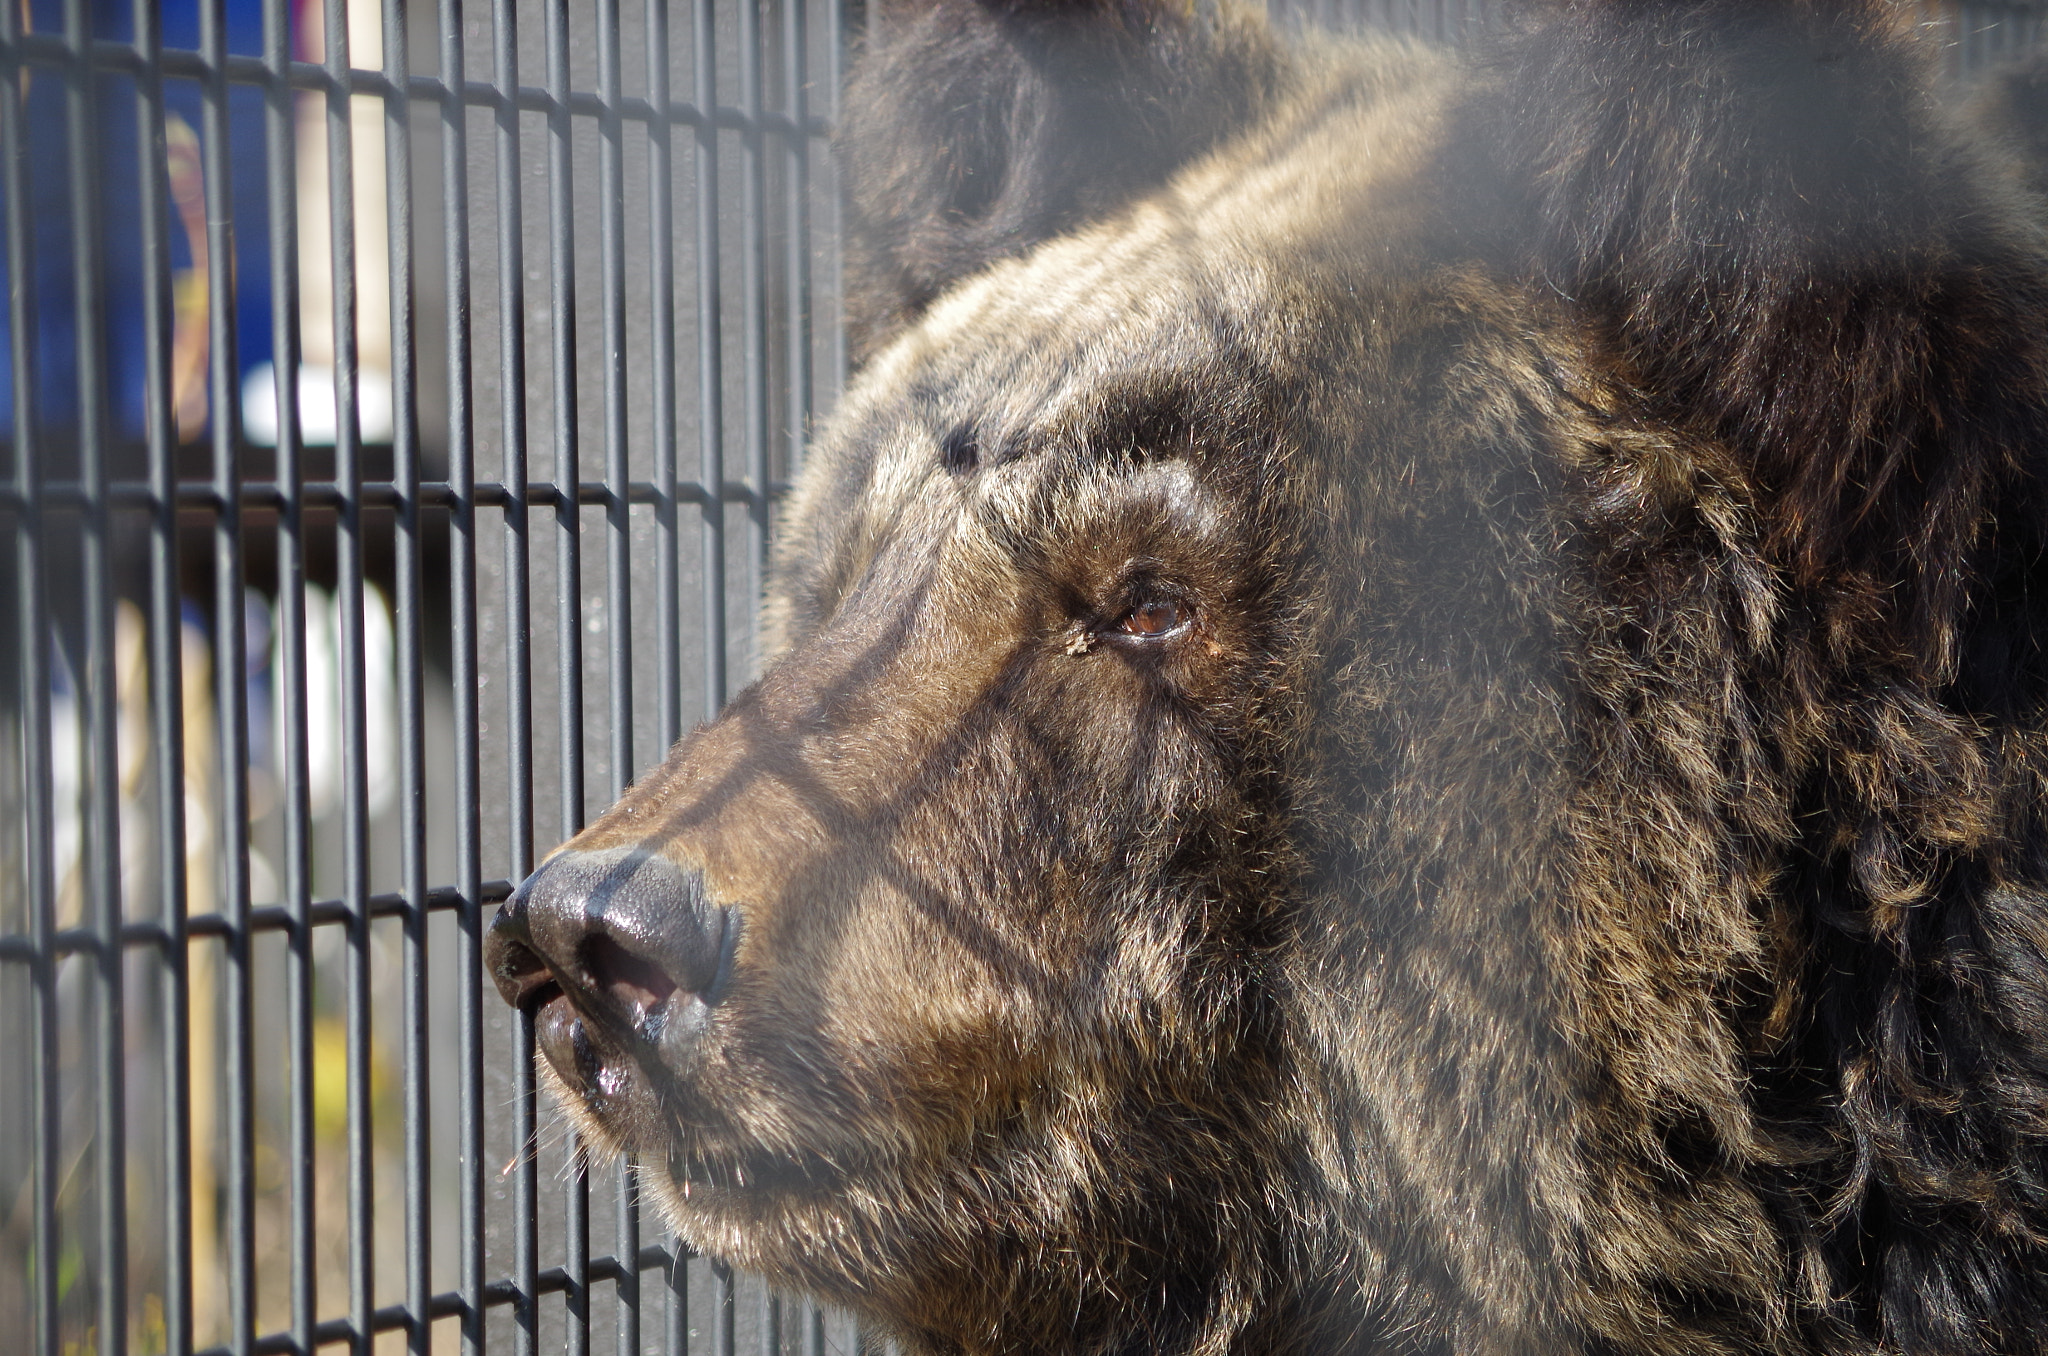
[1408,714]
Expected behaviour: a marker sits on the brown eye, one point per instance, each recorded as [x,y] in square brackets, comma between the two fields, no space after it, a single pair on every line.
[1154,619]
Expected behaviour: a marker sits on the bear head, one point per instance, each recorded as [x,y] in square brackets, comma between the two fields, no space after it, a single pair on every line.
[1405,714]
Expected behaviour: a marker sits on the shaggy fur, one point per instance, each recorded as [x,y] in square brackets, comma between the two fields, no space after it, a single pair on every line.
[1410,713]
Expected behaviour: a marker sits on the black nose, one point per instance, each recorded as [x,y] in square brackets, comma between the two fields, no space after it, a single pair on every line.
[625,935]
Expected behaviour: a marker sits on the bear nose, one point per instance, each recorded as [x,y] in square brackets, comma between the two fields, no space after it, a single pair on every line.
[630,938]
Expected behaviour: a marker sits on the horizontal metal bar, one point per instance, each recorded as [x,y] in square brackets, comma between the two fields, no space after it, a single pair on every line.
[269,918]
[268,496]
[448,1304]
[38,49]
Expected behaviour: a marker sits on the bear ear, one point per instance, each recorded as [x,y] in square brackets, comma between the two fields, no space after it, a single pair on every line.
[1776,235]
[974,129]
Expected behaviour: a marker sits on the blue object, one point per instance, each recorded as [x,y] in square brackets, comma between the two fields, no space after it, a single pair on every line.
[48,167]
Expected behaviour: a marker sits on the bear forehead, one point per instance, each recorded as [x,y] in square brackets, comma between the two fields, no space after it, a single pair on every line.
[1228,275]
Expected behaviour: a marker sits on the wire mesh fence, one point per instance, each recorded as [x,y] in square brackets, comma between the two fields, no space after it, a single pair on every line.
[394,400]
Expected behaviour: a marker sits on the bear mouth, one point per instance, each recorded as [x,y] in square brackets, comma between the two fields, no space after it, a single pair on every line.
[627,1038]
[593,1070]
[620,1034]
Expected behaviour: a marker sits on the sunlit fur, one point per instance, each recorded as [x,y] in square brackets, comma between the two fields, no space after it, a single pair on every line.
[1578,883]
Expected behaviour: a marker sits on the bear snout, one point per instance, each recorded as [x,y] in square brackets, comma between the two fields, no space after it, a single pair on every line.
[622,940]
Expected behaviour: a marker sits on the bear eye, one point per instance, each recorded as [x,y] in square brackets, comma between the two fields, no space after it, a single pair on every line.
[1150,621]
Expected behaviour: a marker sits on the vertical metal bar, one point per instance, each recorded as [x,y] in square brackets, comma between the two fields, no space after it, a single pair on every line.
[568,564]
[814,1331]
[100,861]
[512,388]
[771,1323]
[230,656]
[562,332]
[280,155]
[576,1232]
[678,1334]
[462,543]
[722,1310]
[797,249]
[412,791]
[662,343]
[166,685]
[754,292]
[835,33]
[628,1253]
[611,208]
[525,1188]
[710,357]
[348,602]
[611,225]
[32,653]
[518,620]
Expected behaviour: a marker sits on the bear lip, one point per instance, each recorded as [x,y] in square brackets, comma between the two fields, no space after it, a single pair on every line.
[615,1039]
[564,1038]
[614,1086]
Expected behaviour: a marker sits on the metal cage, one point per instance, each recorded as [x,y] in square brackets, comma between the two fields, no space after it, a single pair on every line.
[379,379]
[394,399]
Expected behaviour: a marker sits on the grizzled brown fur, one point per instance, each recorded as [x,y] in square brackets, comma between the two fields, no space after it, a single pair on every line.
[1409,714]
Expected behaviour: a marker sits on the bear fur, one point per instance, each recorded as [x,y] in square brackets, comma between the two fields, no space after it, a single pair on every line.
[1408,711]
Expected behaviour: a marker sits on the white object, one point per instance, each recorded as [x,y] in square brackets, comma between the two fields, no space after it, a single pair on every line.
[318,416]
